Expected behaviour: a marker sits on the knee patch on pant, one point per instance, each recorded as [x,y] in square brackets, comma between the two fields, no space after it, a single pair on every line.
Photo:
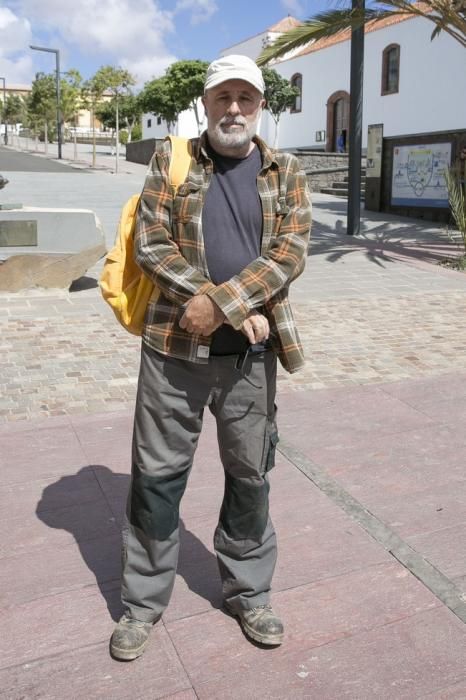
[245,508]
[155,503]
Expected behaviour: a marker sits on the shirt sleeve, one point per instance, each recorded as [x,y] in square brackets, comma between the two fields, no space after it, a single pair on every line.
[281,264]
[155,251]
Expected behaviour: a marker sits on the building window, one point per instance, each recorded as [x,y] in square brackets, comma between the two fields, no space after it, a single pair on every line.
[391,69]
[149,123]
[297,82]
[159,121]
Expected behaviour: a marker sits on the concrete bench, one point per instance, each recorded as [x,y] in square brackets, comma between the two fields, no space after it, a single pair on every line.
[47,247]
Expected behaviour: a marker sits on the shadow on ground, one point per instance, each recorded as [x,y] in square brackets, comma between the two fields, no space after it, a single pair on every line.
[197,565]
[382,243]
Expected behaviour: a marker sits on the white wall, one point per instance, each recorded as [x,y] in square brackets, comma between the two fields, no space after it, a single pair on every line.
[154,131]
[324,72]
[250,47]
[186,126]
[432,94]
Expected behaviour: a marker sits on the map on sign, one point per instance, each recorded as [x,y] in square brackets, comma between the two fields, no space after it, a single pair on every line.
[418,178]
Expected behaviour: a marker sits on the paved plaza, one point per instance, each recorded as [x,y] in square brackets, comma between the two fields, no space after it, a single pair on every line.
[368,495]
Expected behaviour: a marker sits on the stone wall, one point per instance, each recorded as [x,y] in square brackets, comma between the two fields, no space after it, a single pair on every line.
[323,169]
[141,151]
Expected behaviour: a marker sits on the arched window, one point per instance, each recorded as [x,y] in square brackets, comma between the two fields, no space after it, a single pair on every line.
[297,82]
[391,69]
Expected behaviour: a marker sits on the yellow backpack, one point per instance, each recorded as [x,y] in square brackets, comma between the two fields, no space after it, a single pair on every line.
[122,283]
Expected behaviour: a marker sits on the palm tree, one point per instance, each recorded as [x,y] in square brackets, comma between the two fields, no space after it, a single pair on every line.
[446,15]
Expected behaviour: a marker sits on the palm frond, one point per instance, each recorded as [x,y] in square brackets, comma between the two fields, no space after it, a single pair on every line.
[457,198]
[447,15]
[323,25]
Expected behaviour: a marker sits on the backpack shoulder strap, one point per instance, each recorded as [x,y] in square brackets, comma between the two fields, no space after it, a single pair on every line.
[180,161]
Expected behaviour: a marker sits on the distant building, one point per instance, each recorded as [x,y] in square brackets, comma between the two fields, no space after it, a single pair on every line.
[83,118]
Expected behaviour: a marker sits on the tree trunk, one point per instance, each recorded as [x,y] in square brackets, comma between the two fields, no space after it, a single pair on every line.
[117,137]
[196,114]
[93,137]
[275,141]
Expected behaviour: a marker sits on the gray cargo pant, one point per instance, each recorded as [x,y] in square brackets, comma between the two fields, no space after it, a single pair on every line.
[172,395]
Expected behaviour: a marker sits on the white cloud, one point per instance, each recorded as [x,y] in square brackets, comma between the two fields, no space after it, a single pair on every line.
[147,68]
[15,35]
[130,34]
[294,7]
[202,10]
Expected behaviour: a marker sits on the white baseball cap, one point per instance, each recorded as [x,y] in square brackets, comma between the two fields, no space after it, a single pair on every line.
[234,67]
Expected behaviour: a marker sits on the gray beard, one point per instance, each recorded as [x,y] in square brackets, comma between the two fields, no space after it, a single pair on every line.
[235,139]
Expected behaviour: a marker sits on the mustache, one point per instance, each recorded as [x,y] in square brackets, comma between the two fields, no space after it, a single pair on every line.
[225,121]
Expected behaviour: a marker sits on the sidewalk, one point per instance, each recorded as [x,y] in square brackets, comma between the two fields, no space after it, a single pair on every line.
[368,496]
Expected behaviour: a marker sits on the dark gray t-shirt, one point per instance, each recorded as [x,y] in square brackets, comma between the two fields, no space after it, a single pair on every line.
[232,229]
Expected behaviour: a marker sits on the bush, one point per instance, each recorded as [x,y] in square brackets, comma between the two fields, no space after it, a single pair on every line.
[123,136]
[136,133]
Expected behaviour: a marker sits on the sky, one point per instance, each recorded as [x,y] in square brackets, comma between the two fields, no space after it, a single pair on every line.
[143,36]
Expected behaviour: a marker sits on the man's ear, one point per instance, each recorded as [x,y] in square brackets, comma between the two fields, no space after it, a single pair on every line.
[203,102]
[263,103]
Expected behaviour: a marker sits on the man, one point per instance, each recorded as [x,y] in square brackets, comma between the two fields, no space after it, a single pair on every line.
[222,252]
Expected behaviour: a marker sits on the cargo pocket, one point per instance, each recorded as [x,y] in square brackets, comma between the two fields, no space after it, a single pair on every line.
[270,444]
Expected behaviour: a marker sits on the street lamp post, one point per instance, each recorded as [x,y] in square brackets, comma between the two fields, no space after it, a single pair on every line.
[57,67]
[5,138]
[117,144]
[355,127]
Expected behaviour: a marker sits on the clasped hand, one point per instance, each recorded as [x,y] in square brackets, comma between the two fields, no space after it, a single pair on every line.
[202,316]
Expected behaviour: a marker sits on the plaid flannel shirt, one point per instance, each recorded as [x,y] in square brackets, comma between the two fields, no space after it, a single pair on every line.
[169,248]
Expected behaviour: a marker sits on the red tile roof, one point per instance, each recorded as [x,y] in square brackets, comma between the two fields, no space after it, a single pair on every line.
[285,24]
[370,27]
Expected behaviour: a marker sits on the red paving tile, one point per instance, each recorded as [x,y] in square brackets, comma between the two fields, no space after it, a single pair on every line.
[56,528]
[314,615]
[20,499]
[50,571]
[423,392]
[454,692]
[61,623]
[402,660]
[445,549]
[405,462]
[103,427]
[88,672]
[412,512]
[349,412]
[359,625]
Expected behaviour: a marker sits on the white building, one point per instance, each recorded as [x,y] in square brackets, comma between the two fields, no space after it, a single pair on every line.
[412,85]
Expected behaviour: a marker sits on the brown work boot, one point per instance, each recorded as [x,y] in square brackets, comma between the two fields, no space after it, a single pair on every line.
[129,638]
[260,624]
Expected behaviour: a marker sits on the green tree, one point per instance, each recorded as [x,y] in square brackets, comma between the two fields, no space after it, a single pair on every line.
[42,102]
[14,110]
[186,80]
[129,112]
[279,95]
[117,81]
[159,98]
[91,94]
[42,105]
[446,15]
[71,100]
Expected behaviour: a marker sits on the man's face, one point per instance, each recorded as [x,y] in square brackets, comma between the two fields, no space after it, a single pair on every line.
[233,109]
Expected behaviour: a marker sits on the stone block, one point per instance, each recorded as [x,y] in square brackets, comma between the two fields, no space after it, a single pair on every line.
[65,244]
